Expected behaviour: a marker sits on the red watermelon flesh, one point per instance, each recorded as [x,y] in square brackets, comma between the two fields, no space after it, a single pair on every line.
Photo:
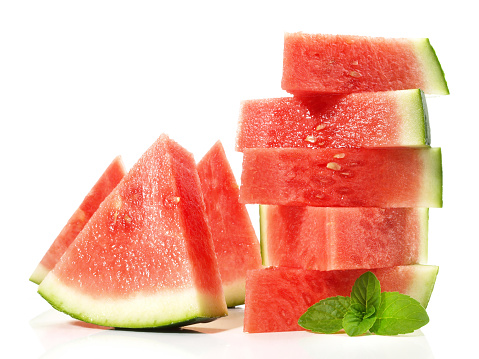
[317,63]
[365,177]
[105,184]
[236,245]
[332,238]
[277,296]
[146,257]
[372,119]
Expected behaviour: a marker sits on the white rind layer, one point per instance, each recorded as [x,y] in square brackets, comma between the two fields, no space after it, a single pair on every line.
[431,189]
[432,71]
[422,283]
[412,108]
[39,274]
[167,307]
[235,292]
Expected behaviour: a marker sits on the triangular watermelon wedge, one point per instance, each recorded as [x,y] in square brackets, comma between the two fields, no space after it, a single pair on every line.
[236,245]
[146,257]
[102,188]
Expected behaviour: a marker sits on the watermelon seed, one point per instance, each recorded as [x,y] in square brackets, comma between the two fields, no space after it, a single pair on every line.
[320,127]
[355,63]
[310,139]
[339,155]
[333,166]
[355,74]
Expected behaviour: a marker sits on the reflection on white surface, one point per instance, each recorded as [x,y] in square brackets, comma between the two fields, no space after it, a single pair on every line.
[63,337]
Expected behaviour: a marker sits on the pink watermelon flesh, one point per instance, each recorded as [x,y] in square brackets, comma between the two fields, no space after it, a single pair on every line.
[105,184]
[146,257]
[332,238]
[236,245]
[316,63]
[277,296]
[372,119]
[366,177]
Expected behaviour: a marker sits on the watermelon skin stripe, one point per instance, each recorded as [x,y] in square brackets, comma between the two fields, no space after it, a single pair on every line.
[369,119]
[367,177]
[323,63]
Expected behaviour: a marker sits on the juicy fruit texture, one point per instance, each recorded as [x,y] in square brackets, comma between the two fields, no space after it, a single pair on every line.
[368,119]
[277,296]
[315,63]
[105,184]
[236,245]
[365,177]
[146,257]
[332,238]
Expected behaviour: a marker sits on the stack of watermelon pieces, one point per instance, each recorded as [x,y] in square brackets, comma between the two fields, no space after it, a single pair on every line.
[343,171]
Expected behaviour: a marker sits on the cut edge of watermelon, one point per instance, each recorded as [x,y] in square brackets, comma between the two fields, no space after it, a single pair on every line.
[412,106]
[422,285]
[432,182]
[165,309]
[433,73]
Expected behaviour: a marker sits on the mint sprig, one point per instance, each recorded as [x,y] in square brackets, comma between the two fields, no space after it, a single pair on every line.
[367,309]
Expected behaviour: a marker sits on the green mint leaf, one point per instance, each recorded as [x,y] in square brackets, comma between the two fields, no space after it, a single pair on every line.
[366,291]
[357,321]
[326,316]
[399,314]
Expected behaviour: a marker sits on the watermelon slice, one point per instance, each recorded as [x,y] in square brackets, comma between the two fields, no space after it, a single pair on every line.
[366,177]
[328,238]
[277,296]
[368,119]
[146,257]
[236,245]
[315,63]
[105,184]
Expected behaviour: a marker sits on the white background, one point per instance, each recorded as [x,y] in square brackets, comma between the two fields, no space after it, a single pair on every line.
[84,81]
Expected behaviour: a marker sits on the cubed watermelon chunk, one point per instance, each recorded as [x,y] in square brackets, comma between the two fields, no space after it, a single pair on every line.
[367,119]
[146,257]
[277,296]
[236,245]
[331,238]
[365,177]
[321,63]
[102,188]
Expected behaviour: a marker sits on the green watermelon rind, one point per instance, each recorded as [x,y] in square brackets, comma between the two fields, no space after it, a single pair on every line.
[412,107]
[165,309]
[433,72]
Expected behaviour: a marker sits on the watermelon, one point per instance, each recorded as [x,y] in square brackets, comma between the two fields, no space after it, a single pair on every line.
[362,177]
[105,184]
[277,296]
[317,63]
[366,119]
[332,238]
[236,245]
[146,257]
